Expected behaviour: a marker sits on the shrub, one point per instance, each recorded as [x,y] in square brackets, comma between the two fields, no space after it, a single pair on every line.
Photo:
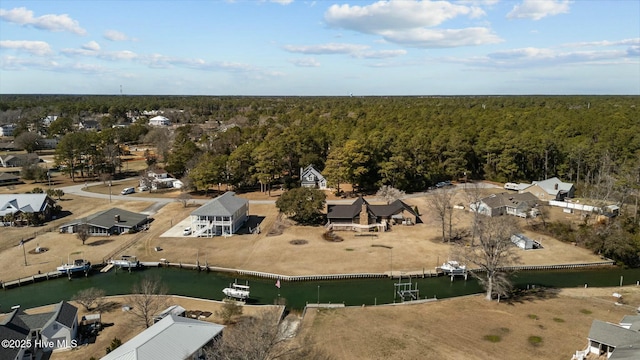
[535,340]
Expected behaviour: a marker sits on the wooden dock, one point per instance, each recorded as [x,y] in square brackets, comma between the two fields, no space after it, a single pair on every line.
[31,279]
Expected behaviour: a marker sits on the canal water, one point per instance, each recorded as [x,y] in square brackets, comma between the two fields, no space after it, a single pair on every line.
[209,285]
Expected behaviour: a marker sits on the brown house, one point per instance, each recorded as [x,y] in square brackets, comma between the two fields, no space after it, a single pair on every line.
[362,216]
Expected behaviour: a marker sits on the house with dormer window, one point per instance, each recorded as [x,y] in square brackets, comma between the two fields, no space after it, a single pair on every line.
[311,178]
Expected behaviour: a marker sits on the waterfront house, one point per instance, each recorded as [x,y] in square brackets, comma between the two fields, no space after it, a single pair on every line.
[223,215]
[362,216]
[173,337]
[46,332]
[613,341]
[109,222]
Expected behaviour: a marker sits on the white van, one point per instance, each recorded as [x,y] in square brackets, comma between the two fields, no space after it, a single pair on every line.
[127,191]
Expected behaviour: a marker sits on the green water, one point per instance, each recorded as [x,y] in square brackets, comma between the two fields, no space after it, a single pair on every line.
[298,294]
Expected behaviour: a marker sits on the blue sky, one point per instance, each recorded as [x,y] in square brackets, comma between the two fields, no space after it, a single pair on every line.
[294,47]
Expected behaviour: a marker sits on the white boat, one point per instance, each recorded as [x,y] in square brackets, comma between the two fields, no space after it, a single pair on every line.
[78,265]
[452,267]
[237,291]
[126,262]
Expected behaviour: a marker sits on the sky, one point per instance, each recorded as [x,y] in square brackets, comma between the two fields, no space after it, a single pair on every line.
[320,48]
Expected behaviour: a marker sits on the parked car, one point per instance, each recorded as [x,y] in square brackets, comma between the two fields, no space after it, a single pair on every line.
[186,231]
[127,191]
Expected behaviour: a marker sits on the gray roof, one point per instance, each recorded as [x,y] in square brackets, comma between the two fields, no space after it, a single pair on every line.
[36,321]
[549,185]
[224,205]
[12,203]
[106,219]
[633,320]
[351,211]
[511,200]
[626,352]
[171,338]
[8,177]
[612,334]
[12,327]
[66,314]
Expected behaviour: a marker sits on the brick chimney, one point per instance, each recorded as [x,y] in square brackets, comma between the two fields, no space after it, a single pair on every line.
[364,215]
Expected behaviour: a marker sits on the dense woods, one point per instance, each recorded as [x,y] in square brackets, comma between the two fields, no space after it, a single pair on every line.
[405,142]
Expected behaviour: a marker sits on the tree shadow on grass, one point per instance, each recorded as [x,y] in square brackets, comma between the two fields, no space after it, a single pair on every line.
[520,296]
[99,242]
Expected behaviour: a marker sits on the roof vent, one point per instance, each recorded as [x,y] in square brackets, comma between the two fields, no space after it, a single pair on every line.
[117,218]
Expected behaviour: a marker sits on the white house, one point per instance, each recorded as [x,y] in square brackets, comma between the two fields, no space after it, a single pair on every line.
[7,130]
[159,121]
[62,327]
[173,337]
[311,178]
[223,215]
[613,341]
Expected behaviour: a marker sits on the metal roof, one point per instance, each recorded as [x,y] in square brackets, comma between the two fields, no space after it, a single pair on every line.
[224,205]
[549,185]
[11,203]
[171,338]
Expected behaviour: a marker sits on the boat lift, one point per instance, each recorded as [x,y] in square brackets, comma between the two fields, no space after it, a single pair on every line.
[406,290]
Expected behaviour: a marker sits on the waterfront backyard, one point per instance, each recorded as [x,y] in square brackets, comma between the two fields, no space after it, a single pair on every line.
[293,250]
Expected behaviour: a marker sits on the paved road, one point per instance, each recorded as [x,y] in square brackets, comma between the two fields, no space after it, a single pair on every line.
[160,202]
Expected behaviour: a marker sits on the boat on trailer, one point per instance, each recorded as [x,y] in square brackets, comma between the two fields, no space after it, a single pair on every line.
[237,291]
[78,265]
[126,262]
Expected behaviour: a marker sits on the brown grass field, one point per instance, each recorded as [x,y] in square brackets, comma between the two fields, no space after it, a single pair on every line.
[449,329]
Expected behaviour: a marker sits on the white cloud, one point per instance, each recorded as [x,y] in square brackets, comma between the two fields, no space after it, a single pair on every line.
[324,49]
[282,2]
[305,62]
[18,63]
[624,42]
[544,57]
[538,9]
[394,14]
[353,50]
[91,46]
[435,38]
[409,22]
[380,54]
[39,48]
[115,35]
[23,16]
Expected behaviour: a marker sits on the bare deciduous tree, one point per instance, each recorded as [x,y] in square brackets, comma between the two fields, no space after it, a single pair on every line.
[88,297]
[493,252]
[389,194]
[82,232]
[148,298]
[473,194]
[261,337]
[229,310]
[184,199]
[441,204]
